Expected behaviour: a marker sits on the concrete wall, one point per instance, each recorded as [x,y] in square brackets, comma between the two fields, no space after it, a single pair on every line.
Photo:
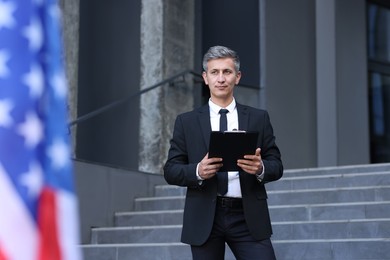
[290,78]
[316,81]
[352,83]
[103,190]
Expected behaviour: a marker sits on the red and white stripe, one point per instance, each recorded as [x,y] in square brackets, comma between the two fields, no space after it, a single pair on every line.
[55,236]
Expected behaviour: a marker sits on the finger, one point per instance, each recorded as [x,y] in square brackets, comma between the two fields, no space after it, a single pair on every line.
[214,160]
[211,166]
[245,168]
[253,156]
[248,168]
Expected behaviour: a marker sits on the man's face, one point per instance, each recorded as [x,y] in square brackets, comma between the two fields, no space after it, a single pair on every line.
[221,77]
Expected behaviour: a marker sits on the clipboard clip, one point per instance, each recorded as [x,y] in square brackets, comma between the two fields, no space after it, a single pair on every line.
[235,131]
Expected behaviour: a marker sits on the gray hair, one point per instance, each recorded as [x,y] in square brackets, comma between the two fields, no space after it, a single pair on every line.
[220,52]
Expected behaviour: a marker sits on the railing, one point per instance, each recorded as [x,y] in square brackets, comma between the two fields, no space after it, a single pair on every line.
[128,98]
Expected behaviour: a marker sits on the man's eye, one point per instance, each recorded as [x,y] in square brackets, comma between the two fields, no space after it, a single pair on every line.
[227,72]
[214,72]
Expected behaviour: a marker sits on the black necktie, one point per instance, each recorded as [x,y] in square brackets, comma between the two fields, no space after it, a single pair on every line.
[222,176]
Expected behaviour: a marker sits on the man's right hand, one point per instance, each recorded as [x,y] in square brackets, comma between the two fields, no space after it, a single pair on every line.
[208,167]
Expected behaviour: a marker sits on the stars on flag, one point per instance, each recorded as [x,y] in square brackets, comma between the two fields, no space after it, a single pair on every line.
[59,154]
[33,179]
[34,80]
[5,110]
[33,32]
[6,18]
[31,130]
[58,82]
[4,57]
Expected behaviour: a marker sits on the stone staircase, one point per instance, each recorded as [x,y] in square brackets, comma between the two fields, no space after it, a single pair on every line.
[325,213]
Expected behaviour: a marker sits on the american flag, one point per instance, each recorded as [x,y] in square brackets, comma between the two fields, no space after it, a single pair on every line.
[38,206]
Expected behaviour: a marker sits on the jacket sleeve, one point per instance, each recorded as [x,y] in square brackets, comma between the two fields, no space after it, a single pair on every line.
[177,169]
[270,153]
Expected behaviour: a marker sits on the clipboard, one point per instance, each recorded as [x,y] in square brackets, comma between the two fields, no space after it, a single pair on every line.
[231,146]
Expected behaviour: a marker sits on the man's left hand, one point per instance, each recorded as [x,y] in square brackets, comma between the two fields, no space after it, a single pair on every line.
[251,164]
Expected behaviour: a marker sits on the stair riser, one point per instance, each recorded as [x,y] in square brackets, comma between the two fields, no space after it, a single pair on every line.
[157,235]
[330,182]
[139,253]
[379,229]
[329,196]
[150,205]
[285,184]
[169,190]
[277,214]
[150,219]
[332,230]
[377,250]
[312,197]
[338,170]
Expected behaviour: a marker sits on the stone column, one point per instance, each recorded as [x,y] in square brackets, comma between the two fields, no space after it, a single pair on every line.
[70,22]
[167,47]
[326,83]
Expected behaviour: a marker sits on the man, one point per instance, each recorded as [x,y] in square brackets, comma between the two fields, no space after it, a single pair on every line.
[213,216]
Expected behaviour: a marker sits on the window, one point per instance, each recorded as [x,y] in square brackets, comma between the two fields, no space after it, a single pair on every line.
[378,15]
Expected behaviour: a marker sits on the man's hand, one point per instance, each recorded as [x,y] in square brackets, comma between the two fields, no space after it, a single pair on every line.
[251,164]
[208,167]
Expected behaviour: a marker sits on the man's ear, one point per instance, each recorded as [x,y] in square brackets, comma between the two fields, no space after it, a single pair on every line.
[238,77]
[204,75]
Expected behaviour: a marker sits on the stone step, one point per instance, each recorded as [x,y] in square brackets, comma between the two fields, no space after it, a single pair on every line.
[331,181]
[343,249]
[169,191]
[299,197]
[335,180]
[336,229]
[142,251]
[331,211]
[149,218]
[353,169]
[336,249]
[139,251]
[159,203]
[329,195]
[140,234]
[336,211]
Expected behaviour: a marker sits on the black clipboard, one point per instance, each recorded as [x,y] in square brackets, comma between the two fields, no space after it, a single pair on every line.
[231,146]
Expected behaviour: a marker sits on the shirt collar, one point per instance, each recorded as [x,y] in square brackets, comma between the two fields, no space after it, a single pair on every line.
[214,108]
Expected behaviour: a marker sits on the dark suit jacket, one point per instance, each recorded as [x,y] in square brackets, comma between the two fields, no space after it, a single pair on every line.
[189,145]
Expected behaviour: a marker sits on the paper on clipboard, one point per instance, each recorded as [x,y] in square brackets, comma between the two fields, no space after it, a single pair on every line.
[231,146]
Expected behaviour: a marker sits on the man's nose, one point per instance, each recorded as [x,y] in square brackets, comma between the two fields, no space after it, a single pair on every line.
[221,77]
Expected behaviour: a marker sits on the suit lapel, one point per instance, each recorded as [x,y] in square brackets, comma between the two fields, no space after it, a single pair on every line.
[243,117]
[243,123]
[204,124]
